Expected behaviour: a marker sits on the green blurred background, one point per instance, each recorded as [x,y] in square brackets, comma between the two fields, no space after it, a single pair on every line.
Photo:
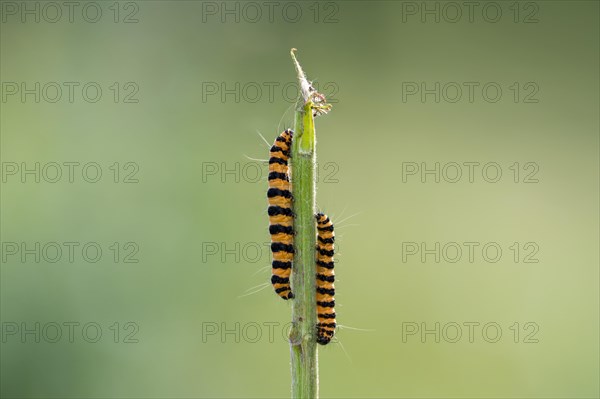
[198,211]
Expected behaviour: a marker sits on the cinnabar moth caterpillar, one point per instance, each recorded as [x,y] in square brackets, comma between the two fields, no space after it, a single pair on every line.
[281,217]
[325,278]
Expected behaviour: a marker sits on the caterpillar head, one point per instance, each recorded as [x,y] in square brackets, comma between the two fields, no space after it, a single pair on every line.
[324,336]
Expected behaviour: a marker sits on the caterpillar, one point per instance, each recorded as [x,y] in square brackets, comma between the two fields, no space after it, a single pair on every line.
[325,278]
[281,217]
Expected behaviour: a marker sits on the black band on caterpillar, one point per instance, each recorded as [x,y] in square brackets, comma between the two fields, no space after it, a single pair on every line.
[325,278]
[280,247]
[277,228]
[281,216]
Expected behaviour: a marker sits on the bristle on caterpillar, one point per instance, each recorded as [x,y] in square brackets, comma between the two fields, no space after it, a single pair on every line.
[281,217]
[325,278]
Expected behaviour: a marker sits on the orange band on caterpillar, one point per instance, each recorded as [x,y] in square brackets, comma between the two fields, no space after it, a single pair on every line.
[325,278]
[281,217]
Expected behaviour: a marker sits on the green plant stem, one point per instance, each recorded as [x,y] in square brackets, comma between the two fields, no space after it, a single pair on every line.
[303,346]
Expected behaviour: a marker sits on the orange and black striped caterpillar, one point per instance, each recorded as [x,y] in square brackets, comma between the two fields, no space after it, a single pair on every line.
[325,278]
[281,217]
